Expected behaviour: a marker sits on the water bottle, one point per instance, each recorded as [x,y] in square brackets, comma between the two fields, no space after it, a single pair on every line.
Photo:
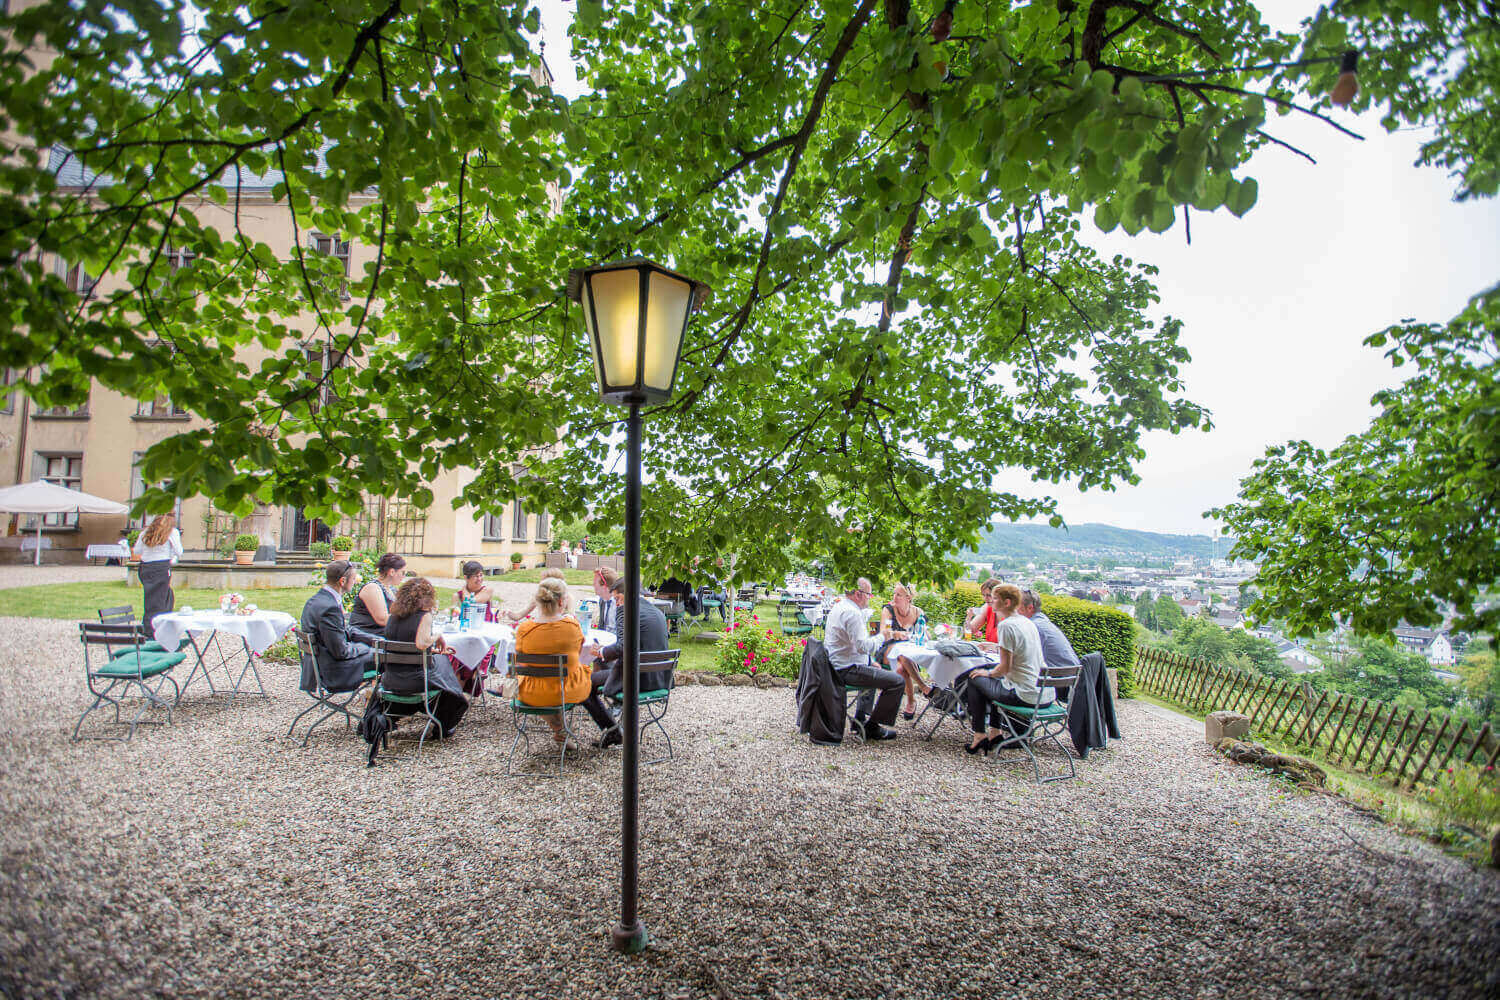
[463,613]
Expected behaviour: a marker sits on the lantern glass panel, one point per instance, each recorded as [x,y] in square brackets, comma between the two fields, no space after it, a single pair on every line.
[615,297]
[666,316]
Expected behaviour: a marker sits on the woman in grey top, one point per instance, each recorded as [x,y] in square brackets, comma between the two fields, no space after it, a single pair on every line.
[1013,681]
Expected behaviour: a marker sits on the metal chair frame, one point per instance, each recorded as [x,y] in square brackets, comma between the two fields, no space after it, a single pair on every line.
[800,624]
[951,707]
[321,696]
[1038,729]
[390,653]
[654,661]
[547,665]
[113,636]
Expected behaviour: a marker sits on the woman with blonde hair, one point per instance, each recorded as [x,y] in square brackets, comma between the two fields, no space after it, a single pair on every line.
[551,573]
[159,546]
[550,630]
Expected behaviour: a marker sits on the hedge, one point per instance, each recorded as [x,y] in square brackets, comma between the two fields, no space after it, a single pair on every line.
[1096,628]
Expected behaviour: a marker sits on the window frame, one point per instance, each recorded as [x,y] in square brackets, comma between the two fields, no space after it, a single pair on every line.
[39,462]
[492,527]
[518,523]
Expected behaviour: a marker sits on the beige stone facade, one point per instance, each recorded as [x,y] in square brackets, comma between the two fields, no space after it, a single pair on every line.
[97,449]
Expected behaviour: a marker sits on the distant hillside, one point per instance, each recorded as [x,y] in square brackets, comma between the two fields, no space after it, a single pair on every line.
[1041,544]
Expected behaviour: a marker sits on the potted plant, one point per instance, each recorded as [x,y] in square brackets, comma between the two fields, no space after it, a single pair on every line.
[244,549]
[342,546]
[515,560]
[321,551]
[130,541]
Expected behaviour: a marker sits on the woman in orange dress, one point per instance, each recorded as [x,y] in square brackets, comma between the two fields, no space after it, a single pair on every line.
[551,630]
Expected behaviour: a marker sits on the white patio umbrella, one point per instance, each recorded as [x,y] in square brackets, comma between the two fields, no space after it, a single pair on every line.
[42,497]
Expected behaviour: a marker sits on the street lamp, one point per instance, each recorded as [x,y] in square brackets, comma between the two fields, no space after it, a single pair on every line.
[636,313]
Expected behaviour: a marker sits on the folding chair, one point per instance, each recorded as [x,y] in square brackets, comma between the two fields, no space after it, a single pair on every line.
[792,619]
[127,664]
[1043,723]
[948,703]
[711,600]
[553,666]
[321,696]
[397,658]
[658,677]
[125,615]
[852,695]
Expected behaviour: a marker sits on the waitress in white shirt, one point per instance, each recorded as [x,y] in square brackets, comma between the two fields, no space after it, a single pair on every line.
[159,546]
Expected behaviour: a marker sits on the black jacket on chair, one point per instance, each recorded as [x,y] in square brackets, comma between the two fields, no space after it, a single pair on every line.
[344,653]
[1091,709]
[820,696]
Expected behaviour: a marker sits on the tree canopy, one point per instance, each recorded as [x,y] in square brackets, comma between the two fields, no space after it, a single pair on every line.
[888,199]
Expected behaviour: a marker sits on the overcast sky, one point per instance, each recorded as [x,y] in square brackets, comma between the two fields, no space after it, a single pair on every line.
[1275,305]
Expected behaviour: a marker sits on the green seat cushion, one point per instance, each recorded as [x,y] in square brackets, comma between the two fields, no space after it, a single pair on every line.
[525,709]
[1052,711]
[796,629]
[645,696]
[146,664]
[146,647]
[405,699]
[370,675]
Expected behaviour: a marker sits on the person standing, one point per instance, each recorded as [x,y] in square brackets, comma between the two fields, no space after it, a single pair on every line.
[849,645]
[158,547]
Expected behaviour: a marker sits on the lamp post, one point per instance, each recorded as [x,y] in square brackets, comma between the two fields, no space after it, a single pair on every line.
[636,312]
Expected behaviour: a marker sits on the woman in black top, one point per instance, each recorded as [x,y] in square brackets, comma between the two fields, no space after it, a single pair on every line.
[372,605]
[411,621]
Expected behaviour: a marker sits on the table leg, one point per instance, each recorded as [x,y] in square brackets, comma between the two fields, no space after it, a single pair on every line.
[198,652]
[249,667]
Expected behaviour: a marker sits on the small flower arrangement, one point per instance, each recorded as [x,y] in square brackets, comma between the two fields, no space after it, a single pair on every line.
[942,630]
[230,603]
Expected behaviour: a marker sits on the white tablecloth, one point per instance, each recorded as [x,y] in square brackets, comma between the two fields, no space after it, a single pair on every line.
[805,593]
[110,551]
[600,637]
[940,670]
[471,644]
[258,630]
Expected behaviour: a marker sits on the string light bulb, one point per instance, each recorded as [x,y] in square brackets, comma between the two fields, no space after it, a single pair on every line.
[1348,84]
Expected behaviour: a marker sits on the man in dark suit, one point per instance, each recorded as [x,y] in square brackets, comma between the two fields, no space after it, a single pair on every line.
[344,653]
[609,673]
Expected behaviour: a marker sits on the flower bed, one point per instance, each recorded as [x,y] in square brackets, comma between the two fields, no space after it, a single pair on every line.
[753,647]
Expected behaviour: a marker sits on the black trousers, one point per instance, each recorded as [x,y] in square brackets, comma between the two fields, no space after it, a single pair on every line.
[594,703]
[979,698]
[890,685]
[157,596]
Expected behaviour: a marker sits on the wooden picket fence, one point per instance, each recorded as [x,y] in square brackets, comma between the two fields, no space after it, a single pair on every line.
[1377,738]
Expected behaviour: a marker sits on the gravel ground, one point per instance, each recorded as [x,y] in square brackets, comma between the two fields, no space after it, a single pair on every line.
[33,576]
[216,857]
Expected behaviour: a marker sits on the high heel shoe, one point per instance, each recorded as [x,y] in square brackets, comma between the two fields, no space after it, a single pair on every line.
[981,747]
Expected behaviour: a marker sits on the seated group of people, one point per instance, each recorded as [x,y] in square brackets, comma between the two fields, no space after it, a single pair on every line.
[387,608]
[1009,625]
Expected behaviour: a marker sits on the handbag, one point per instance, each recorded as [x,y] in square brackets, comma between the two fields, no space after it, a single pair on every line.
[375,728]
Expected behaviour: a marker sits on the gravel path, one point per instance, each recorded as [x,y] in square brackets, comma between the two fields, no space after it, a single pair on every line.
[217,858]
[33,576]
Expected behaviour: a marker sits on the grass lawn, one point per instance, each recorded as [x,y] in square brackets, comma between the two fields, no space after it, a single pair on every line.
[82,601]
[573,577]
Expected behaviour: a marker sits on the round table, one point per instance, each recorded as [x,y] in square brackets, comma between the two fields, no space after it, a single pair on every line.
[941,670]
[470,645]
[255,631]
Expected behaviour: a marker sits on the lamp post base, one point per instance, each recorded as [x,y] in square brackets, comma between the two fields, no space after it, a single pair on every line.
[629,940]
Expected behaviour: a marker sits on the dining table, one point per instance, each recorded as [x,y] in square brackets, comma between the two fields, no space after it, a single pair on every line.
[471,643]
[940,670]
[234,639]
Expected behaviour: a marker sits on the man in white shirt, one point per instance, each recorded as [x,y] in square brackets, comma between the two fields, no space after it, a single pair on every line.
[849,644]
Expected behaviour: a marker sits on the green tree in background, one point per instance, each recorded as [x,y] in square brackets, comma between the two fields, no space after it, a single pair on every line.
[1479,677]
[888,203]
[1167,614]
[1387,672]
[1406,514]
[1041,586]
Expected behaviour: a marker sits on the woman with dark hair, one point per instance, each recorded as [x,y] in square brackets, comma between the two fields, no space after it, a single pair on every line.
[372,605]
[159,546]
[474,588]
[410,621]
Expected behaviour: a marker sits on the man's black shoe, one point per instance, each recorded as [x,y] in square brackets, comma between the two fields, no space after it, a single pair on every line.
[874,732]
[613,738]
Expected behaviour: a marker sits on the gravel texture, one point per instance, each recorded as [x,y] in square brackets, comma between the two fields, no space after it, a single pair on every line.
[215,857]
[34,576]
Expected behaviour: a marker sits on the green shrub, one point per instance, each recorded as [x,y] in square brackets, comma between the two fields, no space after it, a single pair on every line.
[757,647]
[1096,628]
[1468,794]
[133,535]
[320,550]
[247,543]
[343,543]
[515,558]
